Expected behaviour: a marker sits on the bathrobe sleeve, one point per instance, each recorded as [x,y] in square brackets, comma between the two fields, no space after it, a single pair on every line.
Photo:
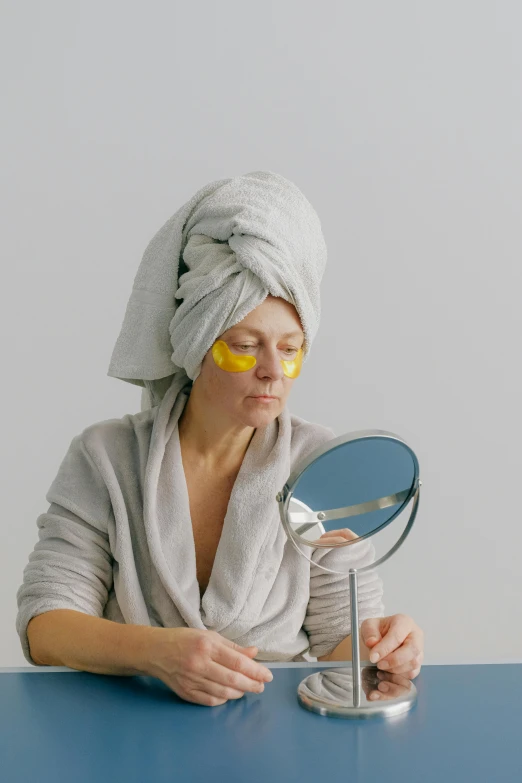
[71,564]
[327,620]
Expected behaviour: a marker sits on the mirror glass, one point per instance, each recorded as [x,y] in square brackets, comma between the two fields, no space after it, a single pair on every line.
[360,485]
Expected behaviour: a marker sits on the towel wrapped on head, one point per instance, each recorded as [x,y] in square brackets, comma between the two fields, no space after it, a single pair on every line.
[214,261]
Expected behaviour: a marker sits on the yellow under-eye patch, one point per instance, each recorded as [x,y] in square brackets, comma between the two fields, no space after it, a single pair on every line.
[292,367]
[231,362]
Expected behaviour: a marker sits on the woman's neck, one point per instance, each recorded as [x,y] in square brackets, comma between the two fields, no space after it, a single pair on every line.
[211,440]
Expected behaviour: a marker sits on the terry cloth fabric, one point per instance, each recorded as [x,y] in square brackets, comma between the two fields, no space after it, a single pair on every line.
[117,541]
[216,259]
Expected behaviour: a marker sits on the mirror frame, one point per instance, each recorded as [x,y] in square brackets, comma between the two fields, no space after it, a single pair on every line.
[283,497]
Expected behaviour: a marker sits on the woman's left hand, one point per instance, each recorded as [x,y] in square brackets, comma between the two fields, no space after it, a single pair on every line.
[399,642]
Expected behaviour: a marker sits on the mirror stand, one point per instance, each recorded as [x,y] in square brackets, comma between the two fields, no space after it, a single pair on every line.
[341,692]
[368,477]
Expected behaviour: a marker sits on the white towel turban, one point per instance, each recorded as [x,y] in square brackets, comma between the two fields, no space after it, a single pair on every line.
[216,259]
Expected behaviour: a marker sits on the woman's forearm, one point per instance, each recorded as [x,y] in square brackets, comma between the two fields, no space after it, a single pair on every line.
[343,651]
[64,637]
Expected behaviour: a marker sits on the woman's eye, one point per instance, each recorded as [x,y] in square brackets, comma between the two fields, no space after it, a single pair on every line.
[244,346]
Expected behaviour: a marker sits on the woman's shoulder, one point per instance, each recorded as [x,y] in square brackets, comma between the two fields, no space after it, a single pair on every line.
[102,453]
[308,435]
[302,427]
[120,437]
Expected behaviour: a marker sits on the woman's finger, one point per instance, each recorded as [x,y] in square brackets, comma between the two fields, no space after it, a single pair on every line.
[407,653]
[232,656]
[400,626]
[251,651]
[200,697]
[408,666]
[228,678]
[221,691]
[209,693]
[247,672]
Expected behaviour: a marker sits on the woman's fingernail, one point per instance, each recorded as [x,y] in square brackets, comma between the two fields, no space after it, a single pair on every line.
[371,640]
[374,656]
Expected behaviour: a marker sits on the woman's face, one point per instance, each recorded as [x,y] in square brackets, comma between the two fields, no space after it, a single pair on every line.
[272,332]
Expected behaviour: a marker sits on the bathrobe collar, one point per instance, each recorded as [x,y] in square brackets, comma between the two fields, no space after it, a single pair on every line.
[252,539]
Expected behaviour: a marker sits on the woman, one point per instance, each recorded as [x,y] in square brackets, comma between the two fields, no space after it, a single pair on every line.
[162,550]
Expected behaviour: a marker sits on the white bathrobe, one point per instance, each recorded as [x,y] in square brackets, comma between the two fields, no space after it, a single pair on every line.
[117,541]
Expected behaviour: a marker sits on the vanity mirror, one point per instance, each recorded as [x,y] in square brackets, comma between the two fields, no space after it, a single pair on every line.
[362,481]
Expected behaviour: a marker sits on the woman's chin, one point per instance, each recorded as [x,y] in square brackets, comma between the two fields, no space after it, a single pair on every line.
[264,415]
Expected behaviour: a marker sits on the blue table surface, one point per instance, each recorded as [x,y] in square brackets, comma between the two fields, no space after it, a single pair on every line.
[77,726]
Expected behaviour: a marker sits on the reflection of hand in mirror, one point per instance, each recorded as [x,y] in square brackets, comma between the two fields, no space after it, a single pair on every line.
[336,536]
[390,686]
[337,684]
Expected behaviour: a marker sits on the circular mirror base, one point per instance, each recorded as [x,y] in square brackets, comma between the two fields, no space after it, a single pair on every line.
[330,692]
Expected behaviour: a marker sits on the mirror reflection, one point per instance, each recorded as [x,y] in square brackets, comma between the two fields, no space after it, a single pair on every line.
[351,491]
[335,686]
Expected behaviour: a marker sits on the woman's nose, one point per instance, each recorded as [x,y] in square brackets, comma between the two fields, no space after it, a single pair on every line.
[269,364]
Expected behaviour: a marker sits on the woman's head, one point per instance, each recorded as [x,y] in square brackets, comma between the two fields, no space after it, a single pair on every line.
[212,263]
[271,333]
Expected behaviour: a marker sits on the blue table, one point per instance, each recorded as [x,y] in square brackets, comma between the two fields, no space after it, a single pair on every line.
[63,725]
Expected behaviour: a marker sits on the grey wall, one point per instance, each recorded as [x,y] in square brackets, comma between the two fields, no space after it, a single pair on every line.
[401,122]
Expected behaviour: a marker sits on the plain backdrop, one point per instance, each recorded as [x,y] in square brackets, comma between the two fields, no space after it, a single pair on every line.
[401,122]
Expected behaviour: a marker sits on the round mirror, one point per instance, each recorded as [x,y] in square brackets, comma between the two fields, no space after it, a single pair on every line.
[350,489]
[360,482]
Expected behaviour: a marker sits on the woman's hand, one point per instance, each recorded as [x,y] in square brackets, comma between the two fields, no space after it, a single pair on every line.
[203,667]
[336,536]
[398,642]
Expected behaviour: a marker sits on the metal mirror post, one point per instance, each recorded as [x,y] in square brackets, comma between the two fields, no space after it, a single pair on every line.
[368,478]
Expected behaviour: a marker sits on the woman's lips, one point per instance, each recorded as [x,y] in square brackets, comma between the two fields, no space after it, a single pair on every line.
[264,398]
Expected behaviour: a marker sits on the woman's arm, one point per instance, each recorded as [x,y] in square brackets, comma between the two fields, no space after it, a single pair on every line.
[71,565]
[328,618]
[63,637]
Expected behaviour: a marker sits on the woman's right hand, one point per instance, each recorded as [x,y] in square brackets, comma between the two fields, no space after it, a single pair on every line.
[203,667]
